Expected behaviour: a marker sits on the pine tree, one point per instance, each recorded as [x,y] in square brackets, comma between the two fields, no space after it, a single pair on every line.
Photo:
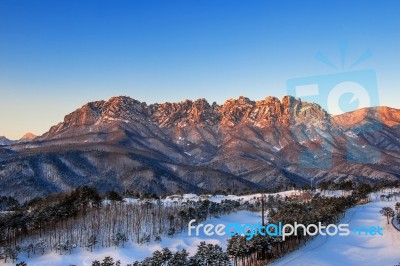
[96,263]
[108,261]
[180,258]
[92,241]
[209,254]
[388,212]
[157,258]
[166,255]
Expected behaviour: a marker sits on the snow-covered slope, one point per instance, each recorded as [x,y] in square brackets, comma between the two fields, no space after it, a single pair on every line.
[353,249]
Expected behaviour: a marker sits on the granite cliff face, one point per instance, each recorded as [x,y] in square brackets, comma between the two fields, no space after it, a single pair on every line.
[195,146]
[232,113]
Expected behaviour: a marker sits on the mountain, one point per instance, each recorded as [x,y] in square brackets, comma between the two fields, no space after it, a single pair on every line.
[194,146]
[28,137]
[5,141]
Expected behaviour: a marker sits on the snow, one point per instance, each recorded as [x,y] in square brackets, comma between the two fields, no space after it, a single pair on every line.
[305,108]
[351,134]
[353,249]
[108,118]
[219,198]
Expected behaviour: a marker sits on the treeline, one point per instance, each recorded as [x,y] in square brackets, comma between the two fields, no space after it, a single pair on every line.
[350,185]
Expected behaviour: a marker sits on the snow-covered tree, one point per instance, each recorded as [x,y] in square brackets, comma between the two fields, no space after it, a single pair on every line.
[179,258]
[91,242]
[120,238]
[41,245]
[387,212]
[28,249]
[209,254]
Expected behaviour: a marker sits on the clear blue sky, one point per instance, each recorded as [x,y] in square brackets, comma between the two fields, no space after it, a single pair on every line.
[57,55]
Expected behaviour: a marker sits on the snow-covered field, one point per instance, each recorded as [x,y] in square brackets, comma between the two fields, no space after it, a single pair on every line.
[352,250]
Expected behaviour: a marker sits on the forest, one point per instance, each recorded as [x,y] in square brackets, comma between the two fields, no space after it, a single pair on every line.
[83,218]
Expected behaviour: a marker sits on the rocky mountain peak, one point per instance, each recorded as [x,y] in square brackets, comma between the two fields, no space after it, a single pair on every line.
[184,113]
[264,113]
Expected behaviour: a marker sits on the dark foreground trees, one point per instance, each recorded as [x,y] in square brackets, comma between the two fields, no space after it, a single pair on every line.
[206,255]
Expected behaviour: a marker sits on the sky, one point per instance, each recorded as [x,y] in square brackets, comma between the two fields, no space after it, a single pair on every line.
[55,56]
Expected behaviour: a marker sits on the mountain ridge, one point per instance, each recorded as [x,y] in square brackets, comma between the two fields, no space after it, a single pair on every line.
[194,146]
